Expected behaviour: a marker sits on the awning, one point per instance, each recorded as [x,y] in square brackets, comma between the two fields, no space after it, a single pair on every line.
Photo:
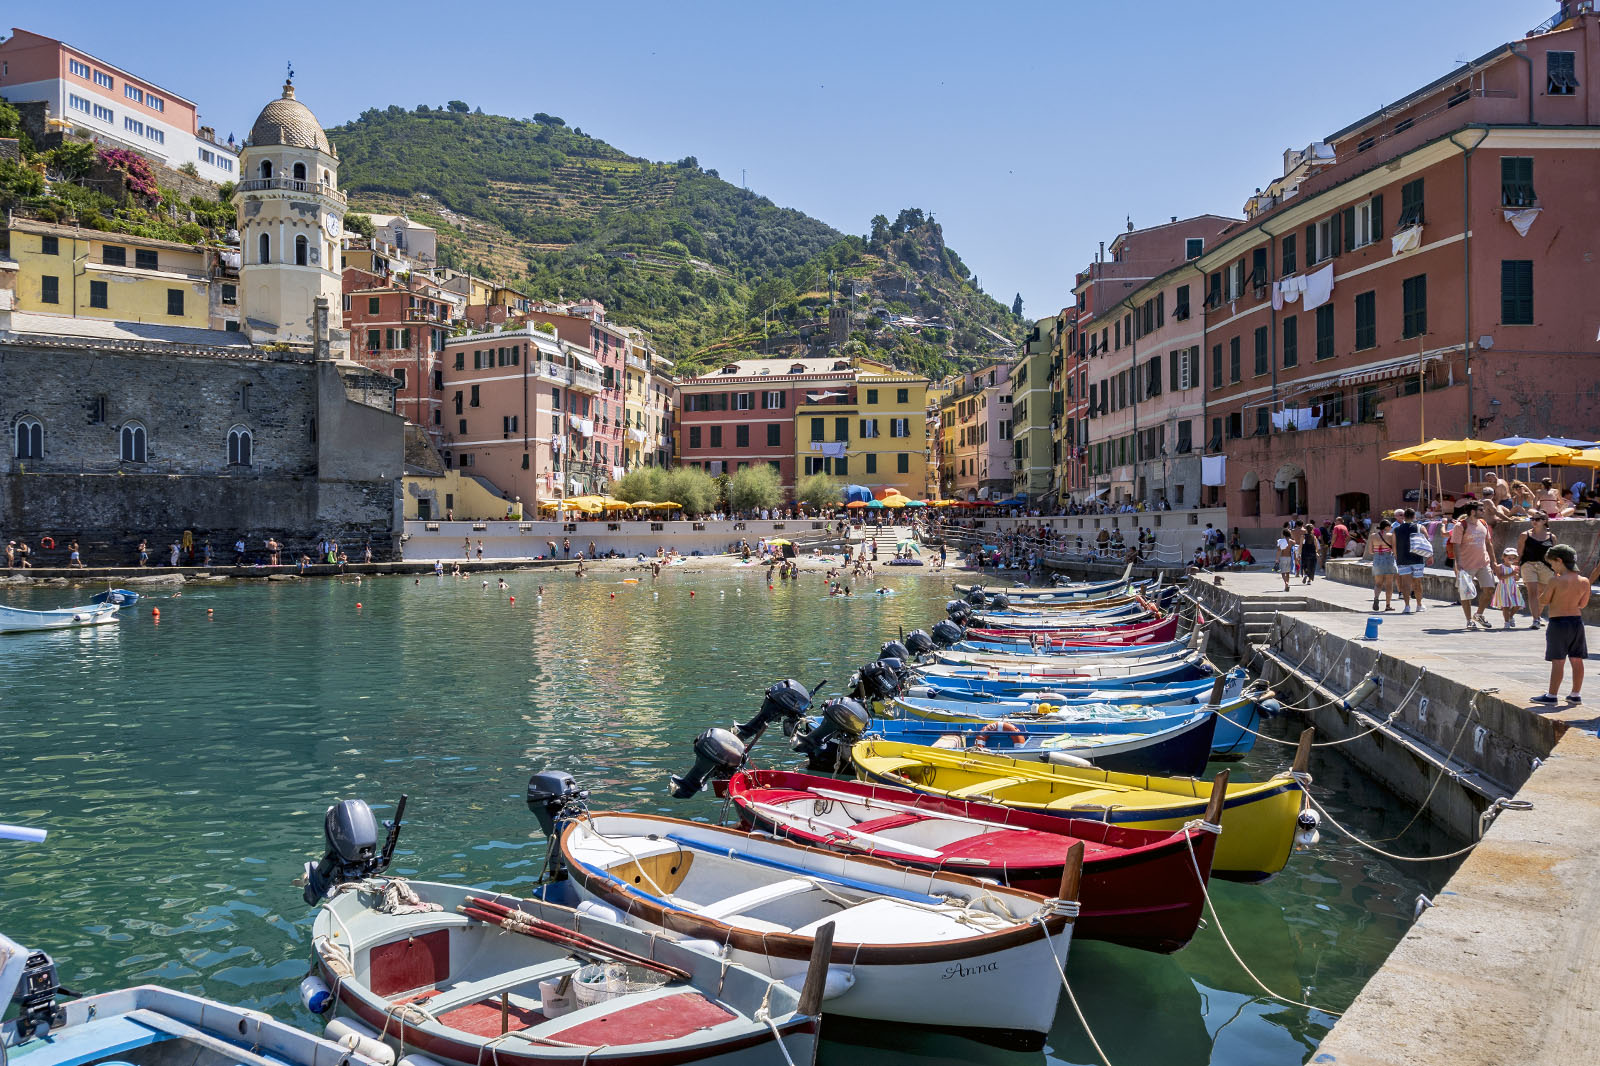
[1394,368]
[587,362]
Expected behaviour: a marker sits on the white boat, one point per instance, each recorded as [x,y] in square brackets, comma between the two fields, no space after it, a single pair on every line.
[445,974]
[935,949]
[17,620]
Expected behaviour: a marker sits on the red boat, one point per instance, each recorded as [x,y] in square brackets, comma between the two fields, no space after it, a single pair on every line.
[1139,887]
[1157,632]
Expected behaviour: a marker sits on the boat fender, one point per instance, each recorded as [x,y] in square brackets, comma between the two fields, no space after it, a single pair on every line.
[315,995]
[358,1038]
[599,910]
[1305,829]
[709,947]
[1062,758]
[949,742]
[840,980]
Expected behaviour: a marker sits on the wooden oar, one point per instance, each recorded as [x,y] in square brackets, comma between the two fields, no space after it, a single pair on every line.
[517,921]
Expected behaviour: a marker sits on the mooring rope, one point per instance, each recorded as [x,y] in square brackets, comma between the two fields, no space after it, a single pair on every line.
[1384,723]
[1071,998]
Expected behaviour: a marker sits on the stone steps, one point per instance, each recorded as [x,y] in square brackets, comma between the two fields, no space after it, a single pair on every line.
[1259,616]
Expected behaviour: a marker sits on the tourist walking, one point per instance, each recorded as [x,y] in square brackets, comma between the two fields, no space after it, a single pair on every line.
[238,552]
[1507,589]
[1564,642]
[173,549]
[144,553]
[1532,547]
[466,548]
[1308,555]
[1385,572]
[1285,556]
[73,558]
[1339,539]
[1408,560]
[1474,577]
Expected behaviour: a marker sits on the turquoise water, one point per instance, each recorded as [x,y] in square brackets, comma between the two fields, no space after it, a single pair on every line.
[183,767]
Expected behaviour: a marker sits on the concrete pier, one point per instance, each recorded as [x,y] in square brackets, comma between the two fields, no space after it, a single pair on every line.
[1506,966]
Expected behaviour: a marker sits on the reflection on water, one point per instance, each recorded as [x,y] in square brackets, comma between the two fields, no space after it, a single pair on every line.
[182,768]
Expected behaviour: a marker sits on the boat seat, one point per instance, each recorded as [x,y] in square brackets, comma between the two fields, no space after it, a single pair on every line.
[464,992]
[890,821]
[895,766]
[759,896]
[1096,797]
[985,788]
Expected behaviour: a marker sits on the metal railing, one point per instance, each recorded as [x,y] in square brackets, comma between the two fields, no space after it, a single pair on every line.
[290,185]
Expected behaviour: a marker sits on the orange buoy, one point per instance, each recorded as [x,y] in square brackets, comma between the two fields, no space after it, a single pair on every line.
[769,588]
[156,611]
[513,601]
[613,595]
[691,594]
[358,605]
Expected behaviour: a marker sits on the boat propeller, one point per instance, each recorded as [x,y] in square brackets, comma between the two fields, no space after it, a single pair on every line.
[351,833]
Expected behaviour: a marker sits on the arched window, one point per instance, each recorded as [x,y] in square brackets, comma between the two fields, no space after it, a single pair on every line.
[240,444]
[266,168]
[326,179]
[133,443]
[299,172]
[264,244]
[30,439]
[301,250]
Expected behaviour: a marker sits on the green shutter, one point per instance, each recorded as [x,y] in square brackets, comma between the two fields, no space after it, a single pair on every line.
[1337,231]
[1377,217]
[1350,229]
[1311,245]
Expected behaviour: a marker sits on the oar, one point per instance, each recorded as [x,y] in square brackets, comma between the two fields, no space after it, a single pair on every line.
[525,923]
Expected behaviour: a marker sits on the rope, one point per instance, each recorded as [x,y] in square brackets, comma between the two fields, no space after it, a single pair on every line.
[764,1014]
[1210,905]
[1098,1050]
[1377,725]
[1319,683]
[1466,719]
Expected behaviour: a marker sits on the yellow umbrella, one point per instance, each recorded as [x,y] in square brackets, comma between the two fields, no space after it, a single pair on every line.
[895,501]
[1456,452]
[614,505]
[779,541]
[667,505]
[549,505]
[1533,454]
[641,503]
[1587,457]
[1411,454]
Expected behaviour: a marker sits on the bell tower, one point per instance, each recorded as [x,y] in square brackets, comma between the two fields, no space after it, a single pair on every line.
[290,219]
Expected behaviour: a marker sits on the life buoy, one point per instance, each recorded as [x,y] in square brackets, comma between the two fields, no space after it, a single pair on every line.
[188,540]
[47,542]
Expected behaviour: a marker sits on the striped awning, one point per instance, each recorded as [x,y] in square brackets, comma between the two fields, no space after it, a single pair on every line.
[1394,368]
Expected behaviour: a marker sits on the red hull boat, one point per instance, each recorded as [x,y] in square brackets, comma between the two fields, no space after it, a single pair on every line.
[1139,887]
[1157,632]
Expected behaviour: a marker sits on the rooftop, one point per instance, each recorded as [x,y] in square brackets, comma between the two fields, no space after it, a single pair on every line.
[37,326]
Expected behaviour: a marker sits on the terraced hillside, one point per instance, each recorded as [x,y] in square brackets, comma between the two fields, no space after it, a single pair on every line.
[709,268]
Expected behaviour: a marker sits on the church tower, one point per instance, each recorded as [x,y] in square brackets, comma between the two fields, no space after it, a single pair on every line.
[290,217]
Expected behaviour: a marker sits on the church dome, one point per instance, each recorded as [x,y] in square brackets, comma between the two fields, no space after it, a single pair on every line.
[288,122]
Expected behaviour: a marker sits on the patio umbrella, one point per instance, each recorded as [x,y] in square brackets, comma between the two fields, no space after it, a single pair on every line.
[856,505]
[666,505]
[875,505]
[642,504]
[1533,454]
[895,502]
[1464,452]
[1588,457]
[615,505]
[549,505]
[779,542]
[915,503]
[1410,455]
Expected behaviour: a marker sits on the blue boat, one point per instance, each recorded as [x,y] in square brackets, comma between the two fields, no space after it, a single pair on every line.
[972,651]
[145,1024]
[1236,717]
[1005,683]
[1176,746]
[1150,694]
[120,597]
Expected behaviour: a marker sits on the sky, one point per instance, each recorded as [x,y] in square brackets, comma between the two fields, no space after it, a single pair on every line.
[1031,130]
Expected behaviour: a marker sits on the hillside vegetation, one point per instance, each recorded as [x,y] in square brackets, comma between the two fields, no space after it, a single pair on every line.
[710,269]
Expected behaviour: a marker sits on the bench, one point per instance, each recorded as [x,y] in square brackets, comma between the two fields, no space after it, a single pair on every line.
[985,788]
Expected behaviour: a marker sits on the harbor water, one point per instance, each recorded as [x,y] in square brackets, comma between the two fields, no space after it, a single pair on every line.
[183,765]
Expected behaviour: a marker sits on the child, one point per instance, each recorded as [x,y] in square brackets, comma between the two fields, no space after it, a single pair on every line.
[1507,589]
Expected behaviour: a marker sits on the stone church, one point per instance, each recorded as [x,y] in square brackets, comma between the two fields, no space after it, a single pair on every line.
[127,428]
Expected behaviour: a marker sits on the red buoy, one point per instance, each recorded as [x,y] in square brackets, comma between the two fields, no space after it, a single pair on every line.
[358,605]
[691,594]
[513,601]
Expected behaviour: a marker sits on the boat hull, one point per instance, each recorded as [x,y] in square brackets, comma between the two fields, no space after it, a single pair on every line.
[17,620]
[1179,745]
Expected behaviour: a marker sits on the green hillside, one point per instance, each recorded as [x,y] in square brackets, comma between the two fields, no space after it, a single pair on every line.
[709,268]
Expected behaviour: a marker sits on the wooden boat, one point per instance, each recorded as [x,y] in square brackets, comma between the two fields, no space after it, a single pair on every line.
[1138,889]
[1152,632]
[1155,693]
[956,655]
[1178,746]
[940,950]
[120,597]
[1085,589]
[1126,612]
[1260,816]
[1064,678]
[1237,714]
[453,981]
[17,620]
[145,1024]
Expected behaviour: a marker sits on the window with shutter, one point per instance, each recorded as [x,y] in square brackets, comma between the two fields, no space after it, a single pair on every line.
[1336,241]
[1262,364]
[1325,331]
[1233,359]
[1410,204]
[1311,245]
[1258,268]
[1291,341]
[1414,295]
[1181,309]
[1516,181]
[1288,254]
[1352,240]
[1193,379]
[1516,292]
[1366,320]
[1216,366]
[1375,229]
[1174,371]
[1560,73]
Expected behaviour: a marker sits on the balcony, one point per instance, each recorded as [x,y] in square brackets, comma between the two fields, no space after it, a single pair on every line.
[573,377]
[636,363]
[290,185]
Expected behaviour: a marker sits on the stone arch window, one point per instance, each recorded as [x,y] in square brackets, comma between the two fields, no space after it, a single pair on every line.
[302,251]
[266,168]
[299,172]
[132,441]
[264,249]
[29,438]
[241,446]
[327,179]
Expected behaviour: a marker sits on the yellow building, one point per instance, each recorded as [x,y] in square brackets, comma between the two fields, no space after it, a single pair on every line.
[873,433]
[82,273]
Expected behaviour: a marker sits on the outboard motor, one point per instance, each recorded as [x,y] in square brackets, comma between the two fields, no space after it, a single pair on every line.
[958,611]
[827,744]
[893,649]
[1000,602]
[552,796]
[919,643]
[36,992]
[947,633]
[976,596]
[879,680]
[786,701]
[351,833]
[717,752]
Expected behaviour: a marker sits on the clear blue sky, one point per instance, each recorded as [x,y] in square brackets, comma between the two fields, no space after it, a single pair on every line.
[1031,130]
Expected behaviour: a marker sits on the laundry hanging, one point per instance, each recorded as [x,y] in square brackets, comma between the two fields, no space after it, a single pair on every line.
[1318,288]
[1407,240]
[1213,470]
[1522,219]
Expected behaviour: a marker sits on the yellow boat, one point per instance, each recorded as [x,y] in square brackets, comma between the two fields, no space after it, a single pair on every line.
[1258,819]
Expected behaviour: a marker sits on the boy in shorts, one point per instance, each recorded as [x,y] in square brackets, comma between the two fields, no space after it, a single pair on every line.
[1564,641]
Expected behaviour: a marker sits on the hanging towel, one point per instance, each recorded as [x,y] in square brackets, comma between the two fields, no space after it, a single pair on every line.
[1522,219]
[1407,240]
[1319,287]
[1213,470]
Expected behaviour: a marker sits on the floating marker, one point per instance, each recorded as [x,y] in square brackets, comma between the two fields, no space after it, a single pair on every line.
[358,605]
[613,595]
[513,601]
[691,594]
[156,611]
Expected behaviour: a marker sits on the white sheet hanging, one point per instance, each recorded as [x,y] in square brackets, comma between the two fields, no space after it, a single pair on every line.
[1407,240]
[1318,288]
[1213,470]
[1522,219]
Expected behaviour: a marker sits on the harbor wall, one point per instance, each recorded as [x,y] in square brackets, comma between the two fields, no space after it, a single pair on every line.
[428,541]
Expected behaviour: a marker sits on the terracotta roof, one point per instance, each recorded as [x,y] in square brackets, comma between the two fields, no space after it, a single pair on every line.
[287,121]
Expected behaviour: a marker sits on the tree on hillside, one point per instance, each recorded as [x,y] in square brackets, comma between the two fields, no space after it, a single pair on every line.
[819,491]
[1016,306]
[458,106]
[880,232]
[755,488]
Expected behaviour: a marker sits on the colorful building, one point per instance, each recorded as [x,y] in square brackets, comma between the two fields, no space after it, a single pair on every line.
[398,324]
[114,107]
[975,423]
[63,270]
[1031,413]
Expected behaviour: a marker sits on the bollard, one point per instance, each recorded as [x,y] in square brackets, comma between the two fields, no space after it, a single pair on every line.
[1373,622]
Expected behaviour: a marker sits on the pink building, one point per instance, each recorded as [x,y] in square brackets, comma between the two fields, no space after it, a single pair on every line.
[85,93]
